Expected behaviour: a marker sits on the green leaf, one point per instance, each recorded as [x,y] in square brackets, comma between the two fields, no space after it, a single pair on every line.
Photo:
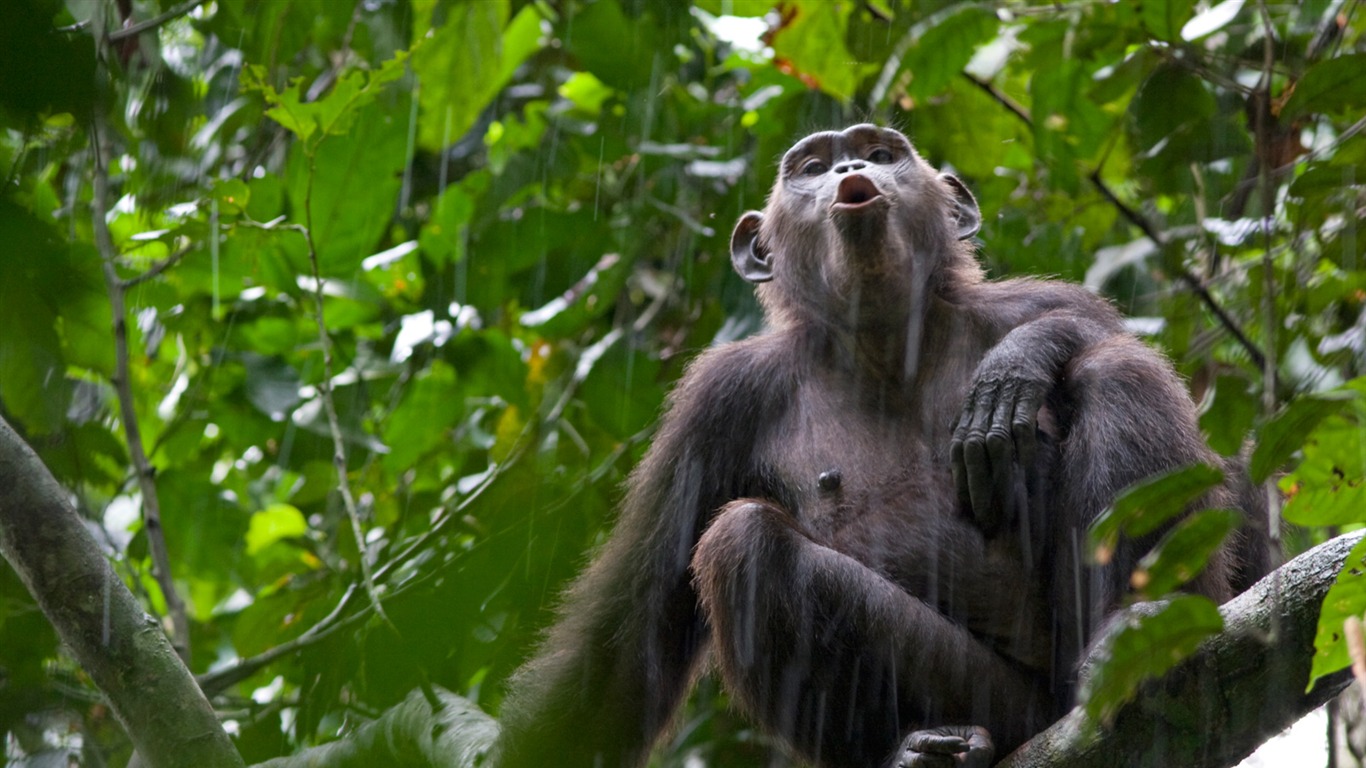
[1341,503]
[1328,487]
[1171,100]
[465,63]
[1230,415]
[43,70]
[272,524]
[1145,642]
[1144,506]
[431,407]
[33,385]
[1165,18]
[232,195]
[272,385]
[356,180]
[945,48]
[335,112]
[1183,552]
[586,92]
[622,390]
[1329,87]
[1067,125]
[1346,598]
[621,51]
[1286,431]
[736,7]
[812,42]
[442,237]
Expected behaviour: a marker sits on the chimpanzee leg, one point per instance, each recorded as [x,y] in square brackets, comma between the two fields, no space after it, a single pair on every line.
[837,659]
[1126,417]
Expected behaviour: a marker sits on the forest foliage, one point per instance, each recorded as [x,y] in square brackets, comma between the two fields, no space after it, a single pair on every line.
[466,246]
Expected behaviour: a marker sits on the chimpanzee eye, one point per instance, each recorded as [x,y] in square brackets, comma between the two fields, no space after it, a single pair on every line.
[814,167]
[880,155]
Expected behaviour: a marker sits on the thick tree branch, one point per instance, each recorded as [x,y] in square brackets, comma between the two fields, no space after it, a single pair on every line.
[1243,686]
[122,648]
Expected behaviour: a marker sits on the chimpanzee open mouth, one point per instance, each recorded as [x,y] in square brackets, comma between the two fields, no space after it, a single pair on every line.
[856,192]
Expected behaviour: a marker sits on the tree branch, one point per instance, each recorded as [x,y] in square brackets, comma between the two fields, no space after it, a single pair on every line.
[156,269]
[146,473]
[155,21]
[1242,687]
[124,651]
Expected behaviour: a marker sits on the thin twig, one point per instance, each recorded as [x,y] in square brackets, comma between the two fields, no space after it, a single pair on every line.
[220,680]
[157,268]
[1270,366]
[329,405]
[146,473]
[1192,281]
[155,21]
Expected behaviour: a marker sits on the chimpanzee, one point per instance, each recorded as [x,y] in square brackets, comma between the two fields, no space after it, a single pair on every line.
[873,515]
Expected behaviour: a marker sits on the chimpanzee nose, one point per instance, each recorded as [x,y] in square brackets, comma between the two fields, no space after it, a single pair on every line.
[852,165]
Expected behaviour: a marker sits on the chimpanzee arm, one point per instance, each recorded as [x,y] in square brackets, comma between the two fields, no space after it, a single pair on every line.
[995,434]
[611,671]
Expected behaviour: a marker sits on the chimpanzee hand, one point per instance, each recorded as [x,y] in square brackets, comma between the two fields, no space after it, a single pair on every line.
[994,437]
[951,746]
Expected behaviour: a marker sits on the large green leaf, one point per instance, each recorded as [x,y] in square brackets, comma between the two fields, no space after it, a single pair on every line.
[1184,551]
[1144,642]
[1145,506]
[812,43]
[1286,431]
[1165,18]
[1345,599]
[943,47]
[1329,87]
[351,184]
[464,64]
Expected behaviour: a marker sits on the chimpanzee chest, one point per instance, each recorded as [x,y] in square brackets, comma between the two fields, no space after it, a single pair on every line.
[876,486]
[869,483]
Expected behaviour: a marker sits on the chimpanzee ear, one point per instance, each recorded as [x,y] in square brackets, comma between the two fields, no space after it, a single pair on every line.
[751,259]
[965,212]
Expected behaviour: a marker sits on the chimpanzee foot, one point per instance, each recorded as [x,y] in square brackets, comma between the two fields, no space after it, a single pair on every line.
[951,746]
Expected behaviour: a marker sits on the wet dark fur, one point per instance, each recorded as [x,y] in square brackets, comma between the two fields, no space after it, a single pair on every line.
[843,618]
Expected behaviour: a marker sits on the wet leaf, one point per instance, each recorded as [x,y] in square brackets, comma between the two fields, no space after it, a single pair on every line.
[1142,645]
[1346,598]
[1183,552]
[1286,431]
[1165,18]
[274,523]
[1145,506]
[1330,86]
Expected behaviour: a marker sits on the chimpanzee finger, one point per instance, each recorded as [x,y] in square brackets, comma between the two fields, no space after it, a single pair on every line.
[929,749]
[977,466]
[939,743]
[912,759]
[957,462]
[965,450]
[999,449]
[981,751]
[1024,423]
